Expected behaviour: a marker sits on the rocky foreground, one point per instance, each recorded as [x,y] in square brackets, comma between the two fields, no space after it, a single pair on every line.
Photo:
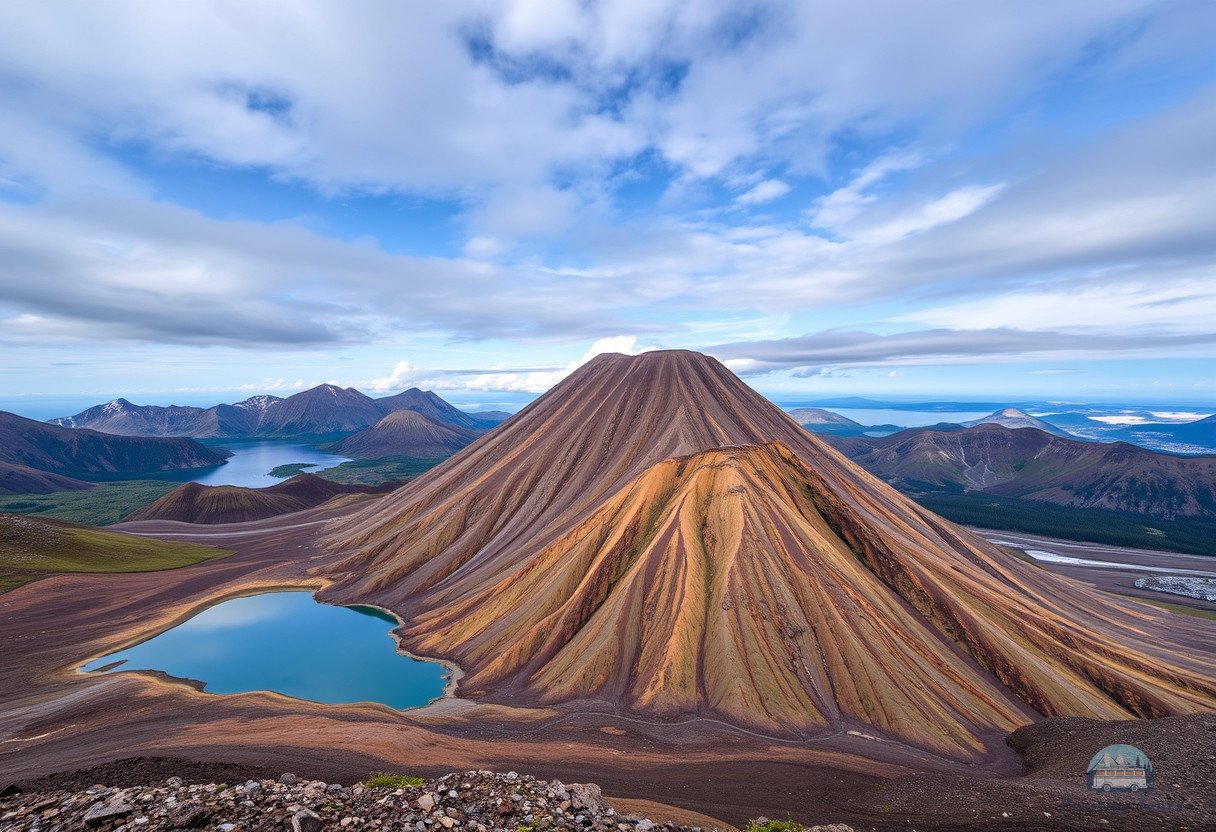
[477,801]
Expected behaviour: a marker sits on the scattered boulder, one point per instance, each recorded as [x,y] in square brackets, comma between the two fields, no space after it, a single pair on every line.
[306,820]
[187,815]
[103,811]
[587,796]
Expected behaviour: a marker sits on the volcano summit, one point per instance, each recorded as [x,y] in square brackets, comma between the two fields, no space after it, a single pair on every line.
[654,536]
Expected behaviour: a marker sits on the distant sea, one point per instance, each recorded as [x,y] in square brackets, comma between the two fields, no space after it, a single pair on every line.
[907,418]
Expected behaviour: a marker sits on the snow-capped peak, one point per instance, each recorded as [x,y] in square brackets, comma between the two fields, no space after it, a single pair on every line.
[116,406]
[257,403]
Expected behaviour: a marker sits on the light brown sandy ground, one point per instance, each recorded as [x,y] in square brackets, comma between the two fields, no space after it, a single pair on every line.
[661,813]
[53,718]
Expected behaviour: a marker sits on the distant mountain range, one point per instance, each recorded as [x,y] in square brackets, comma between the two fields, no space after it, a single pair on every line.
[818,420]
[1144,427]
[1033,464]
[1195,437]
[826,422]
[325,410]
[38,457]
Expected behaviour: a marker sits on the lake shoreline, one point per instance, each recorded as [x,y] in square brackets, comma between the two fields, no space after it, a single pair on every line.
[253,460]
[202,641]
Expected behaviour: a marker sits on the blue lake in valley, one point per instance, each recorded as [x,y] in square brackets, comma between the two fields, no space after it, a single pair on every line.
[289,643]
[252,461]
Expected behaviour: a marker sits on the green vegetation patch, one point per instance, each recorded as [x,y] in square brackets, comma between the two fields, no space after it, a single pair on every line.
[31,547]
[1195,536]
[394,781]
[376,471]
[291,469]
[8,582]
[775,826]
[100,505]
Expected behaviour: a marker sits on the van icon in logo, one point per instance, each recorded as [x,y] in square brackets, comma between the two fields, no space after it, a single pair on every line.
[1120,768]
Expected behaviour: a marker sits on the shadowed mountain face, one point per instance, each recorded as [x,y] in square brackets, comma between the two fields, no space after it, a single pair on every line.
[407,433]
[195,503]
[81,453]
[323,410]
[654,534]
[1029,463]
[20,479]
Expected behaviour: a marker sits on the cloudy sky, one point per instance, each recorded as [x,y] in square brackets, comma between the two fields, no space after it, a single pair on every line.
[929,198]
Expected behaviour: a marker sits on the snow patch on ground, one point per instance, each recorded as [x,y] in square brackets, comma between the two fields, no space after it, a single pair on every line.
[1066,560]
[1202,588]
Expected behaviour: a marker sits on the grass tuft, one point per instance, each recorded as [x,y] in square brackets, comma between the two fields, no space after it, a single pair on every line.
[8,582]
[394,781]
[775,826]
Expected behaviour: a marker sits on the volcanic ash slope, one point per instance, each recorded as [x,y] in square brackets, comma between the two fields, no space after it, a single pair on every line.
[654,533]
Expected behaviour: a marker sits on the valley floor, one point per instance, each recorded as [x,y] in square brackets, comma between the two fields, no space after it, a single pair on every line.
[55,719]
[1112,568]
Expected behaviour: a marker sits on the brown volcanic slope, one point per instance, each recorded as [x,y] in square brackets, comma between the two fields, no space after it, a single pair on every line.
[610,543]
[407,433]
[195,503]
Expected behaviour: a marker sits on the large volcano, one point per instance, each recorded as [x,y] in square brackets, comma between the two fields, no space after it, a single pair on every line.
[654,534]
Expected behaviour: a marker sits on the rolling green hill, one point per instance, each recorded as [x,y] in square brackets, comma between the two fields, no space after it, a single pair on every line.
[34,547]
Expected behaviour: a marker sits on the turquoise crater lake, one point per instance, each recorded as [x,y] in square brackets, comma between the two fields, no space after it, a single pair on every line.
[289,643]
